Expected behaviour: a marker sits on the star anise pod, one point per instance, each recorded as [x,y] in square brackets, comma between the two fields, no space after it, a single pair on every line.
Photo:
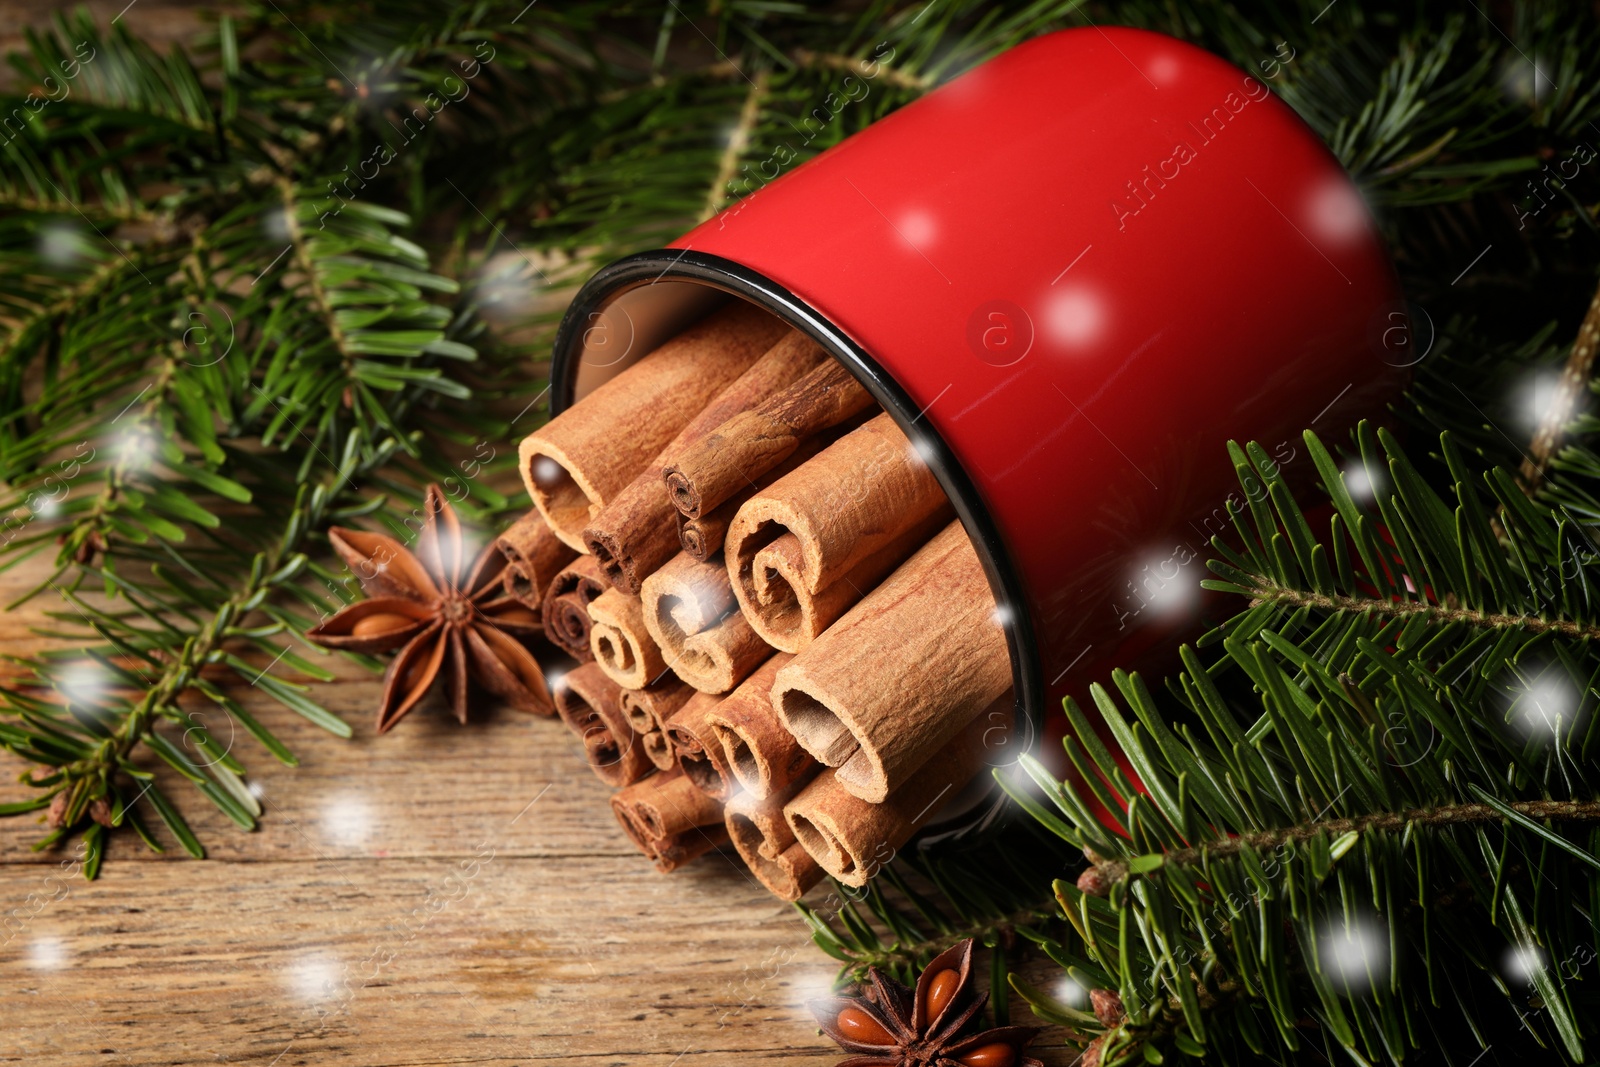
[465,628]
[930,1026]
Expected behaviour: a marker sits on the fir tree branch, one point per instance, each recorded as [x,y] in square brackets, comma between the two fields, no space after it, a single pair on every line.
[97,211]
[910,953]
[289,194]
[888,74]
[1293,711]
[738,141]
[88,779]
[1579,811]
[1559,412]
[1263,593]
[73,298]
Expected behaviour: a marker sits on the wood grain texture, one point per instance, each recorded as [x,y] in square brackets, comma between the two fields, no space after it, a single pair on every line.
[442,894]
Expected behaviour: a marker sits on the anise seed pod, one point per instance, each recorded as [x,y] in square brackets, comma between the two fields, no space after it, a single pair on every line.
[888,1025]
[448,618]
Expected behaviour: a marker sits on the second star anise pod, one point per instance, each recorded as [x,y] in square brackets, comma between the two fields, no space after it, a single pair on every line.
[445,618]
[931,1026]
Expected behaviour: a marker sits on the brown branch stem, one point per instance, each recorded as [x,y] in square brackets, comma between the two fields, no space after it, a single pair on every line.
[861,68]
[308,267]
[1110,871]
[1561,410]
[913,952]
[738,141]
[1405,608]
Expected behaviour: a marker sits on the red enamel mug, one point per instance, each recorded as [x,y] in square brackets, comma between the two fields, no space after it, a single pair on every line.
[1071,275]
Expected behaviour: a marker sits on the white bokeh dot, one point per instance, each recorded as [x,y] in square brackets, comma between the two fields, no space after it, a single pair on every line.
[1547,708]
[918,227]
[275,225]
[547,471]
[1358,482]
[506,287]
[1335,212]
[83,682]
[1076,317]
[1069,992]
[1524,961]
[313,976]
[1354,950]
[62,244]
[1164,69]
[346,819]
[1539,398]
[46,953]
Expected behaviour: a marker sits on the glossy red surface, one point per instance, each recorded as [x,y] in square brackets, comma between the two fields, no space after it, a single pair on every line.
[1092,261]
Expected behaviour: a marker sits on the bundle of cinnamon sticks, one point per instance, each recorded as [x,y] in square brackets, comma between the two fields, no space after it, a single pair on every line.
[786,642]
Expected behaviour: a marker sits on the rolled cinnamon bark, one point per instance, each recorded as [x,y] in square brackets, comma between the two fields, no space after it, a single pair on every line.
[705,473]
[621,644]
[578,461]
[804,549]
[852,838]
[897,677]
[633,534]
[767,844]
[590,704]
[703,537]
[534,556]
[669,820]
[689,609]
[659,748]
[566,607]
[651,707]
[761,754]
[696,750]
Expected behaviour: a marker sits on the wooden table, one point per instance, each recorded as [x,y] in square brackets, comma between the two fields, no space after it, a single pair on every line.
[441,894]
[438,895]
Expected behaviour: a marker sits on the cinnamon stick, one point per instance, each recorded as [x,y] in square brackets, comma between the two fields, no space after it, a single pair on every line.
[703,537]
[650,709]
[534,556]
[695,747]
[669,820]
[621,644]
[899,675]
[565,609]
[633,534]
[762,755]
[806,548]
[767,844]
[707,472]
[590,704]
[578,461]
[852,838]
[659,748]
[689,609]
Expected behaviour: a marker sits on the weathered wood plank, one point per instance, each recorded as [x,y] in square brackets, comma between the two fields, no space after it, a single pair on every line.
[441,894]
[488,958]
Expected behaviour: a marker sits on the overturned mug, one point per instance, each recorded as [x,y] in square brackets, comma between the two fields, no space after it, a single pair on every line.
[1070,276]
